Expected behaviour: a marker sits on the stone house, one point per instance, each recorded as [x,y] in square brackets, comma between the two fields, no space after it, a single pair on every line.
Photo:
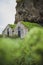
[21,30]
[8,31]
[16,29]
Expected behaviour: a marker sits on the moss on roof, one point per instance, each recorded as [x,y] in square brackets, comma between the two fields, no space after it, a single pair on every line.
[30,25]
[12,25]
[26,24]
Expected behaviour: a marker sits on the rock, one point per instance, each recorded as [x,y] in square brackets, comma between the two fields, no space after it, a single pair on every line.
[29,10]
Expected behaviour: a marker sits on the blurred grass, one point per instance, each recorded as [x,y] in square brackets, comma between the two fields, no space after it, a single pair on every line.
[27,51]
[11,47]
[34,46]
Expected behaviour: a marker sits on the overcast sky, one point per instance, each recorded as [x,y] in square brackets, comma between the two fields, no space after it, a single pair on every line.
[7,13]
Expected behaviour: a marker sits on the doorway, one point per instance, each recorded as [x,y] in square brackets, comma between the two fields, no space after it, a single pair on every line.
[19,32]
[8,32]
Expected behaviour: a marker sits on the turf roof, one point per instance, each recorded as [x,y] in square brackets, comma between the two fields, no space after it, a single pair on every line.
[12,25]
[30,25]
[26,24]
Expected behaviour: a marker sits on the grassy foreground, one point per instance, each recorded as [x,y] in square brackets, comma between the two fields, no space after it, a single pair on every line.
[28,51]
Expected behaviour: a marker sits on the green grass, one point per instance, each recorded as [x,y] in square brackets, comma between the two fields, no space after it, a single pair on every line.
[10,43]
[30,25]
[9,49]
[27,51]
[34,45]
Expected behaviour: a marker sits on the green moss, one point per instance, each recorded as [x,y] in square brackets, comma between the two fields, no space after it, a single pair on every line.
[12,25]
[30,25]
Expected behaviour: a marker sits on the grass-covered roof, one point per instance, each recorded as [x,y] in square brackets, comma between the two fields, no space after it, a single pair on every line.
[30,25]
[12,25]
[26,24]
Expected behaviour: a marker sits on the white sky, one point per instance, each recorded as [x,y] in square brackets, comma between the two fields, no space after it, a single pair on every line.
[7,13]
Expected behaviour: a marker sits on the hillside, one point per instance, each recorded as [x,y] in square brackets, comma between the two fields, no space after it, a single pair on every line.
[29,10]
